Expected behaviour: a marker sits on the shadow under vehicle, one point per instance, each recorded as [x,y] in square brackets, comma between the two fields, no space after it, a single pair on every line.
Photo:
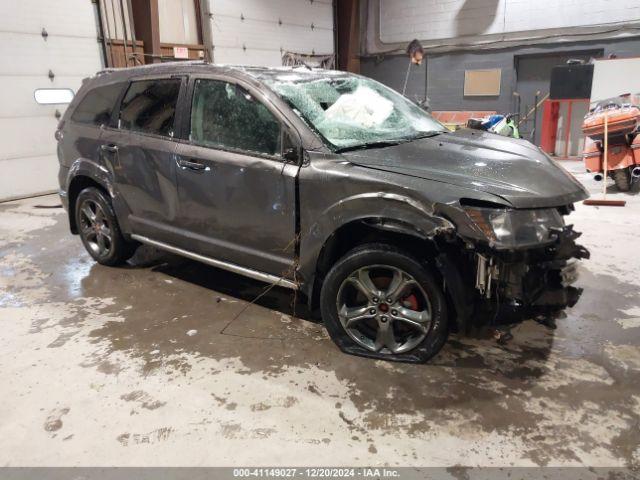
[328,183]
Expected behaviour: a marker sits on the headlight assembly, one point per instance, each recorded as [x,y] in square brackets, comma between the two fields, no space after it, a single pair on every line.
[508,228]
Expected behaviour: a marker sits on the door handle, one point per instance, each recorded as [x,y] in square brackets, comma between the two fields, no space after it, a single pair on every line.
[182,163]
[109,148]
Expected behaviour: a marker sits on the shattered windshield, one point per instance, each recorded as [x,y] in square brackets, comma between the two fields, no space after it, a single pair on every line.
[350,111]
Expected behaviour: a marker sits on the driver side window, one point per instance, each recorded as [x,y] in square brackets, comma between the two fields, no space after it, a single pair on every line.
[228,116]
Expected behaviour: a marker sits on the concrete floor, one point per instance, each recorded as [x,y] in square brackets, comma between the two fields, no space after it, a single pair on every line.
[147,365]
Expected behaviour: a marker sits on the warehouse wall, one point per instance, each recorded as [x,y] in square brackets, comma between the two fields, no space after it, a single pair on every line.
[392,70]
[441,77]
[401,21]
[451,24]
[255,32]
[28,162]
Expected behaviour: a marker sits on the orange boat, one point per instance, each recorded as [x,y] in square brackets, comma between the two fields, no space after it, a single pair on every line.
[623,126]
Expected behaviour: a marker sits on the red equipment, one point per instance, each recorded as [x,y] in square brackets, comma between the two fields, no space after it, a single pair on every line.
[623,140]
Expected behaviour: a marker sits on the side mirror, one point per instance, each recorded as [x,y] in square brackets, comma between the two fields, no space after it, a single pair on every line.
[290,154]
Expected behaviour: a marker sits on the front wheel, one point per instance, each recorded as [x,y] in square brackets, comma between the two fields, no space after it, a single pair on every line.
[378,301]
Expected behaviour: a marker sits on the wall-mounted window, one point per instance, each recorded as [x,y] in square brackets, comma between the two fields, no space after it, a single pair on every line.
[53,96]
[482,83]
[178,22]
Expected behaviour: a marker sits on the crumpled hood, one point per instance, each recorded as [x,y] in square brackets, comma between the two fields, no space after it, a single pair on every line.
[512,169]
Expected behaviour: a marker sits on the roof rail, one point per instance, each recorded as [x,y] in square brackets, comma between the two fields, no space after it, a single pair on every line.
[151,65]
[106,70]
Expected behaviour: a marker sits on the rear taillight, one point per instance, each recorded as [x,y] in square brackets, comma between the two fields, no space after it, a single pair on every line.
[58,135]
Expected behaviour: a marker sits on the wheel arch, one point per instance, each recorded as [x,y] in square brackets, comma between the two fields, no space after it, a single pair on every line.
[377,230]
[369,230]
[371,215]
[84,173]
[76,185]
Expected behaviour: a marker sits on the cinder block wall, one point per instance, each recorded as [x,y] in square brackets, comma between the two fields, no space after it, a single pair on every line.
[451,21]
[441,77]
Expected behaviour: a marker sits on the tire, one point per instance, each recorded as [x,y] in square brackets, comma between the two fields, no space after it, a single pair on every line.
[407,324]
[622,178]
[99,230]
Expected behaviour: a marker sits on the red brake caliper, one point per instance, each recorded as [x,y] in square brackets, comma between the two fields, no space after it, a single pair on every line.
[411,302]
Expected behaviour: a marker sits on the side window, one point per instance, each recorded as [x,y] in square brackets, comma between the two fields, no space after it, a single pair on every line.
[150,106]
[96,106]
[226,115]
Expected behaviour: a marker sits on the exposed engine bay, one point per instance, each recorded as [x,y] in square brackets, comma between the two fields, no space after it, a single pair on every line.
[532,283]
[513,284]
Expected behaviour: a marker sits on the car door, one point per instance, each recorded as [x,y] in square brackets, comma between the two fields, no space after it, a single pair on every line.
[236,191]
[143,147]
[91,116]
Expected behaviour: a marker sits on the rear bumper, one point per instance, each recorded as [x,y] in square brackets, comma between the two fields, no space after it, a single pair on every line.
[64,199]
[63,174]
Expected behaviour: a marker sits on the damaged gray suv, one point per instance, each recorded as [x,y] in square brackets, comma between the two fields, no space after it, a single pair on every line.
[329,183]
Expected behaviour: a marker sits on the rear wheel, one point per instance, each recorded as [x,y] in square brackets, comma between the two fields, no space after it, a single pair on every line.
[622,178]
[99,230]
[378,301]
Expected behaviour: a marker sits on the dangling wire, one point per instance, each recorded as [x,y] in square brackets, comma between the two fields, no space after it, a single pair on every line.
[289,272]
[406,77]
[416,54]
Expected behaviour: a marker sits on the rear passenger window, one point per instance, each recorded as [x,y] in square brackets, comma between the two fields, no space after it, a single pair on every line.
[150,106]
[96,106]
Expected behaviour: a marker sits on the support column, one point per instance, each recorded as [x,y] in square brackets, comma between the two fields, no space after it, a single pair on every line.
[206,38]
[146,19]
[347,24]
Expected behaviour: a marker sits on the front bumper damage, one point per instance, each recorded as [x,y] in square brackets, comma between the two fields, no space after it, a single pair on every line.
[535,283]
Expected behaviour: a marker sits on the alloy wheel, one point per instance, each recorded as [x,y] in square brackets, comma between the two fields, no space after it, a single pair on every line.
[384,309]
[95,228]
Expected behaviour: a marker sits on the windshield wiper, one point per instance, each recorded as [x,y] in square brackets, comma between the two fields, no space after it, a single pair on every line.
[389,143]
[431,133]
[377,144]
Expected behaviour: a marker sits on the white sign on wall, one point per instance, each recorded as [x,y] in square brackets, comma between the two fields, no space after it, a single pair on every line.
[615,77]
[180,52]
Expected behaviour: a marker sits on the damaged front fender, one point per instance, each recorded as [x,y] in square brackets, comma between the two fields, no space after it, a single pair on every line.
[389,212]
